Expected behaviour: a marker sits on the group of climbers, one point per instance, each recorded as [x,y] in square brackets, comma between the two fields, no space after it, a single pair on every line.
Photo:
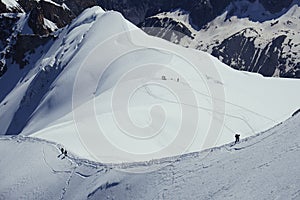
[164,78]
[63,153]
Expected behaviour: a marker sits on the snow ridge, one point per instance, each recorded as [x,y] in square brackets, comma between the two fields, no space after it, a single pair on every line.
[257,167]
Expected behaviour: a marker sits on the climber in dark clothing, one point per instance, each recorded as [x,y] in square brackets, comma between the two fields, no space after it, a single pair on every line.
[237,138]
[65,153]
[62,152]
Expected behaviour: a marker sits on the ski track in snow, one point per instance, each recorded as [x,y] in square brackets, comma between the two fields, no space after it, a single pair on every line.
[248,168]
[208,109]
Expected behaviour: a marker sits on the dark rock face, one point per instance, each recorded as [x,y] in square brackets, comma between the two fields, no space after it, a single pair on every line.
[77,6]
[36,22]
[43,9]
[2,7]
[6,29]
[201,11]
[14,45]
[166,29]
[239,52]
[137,11]
[60,16]
[56,13]
[6,26]
[27,44]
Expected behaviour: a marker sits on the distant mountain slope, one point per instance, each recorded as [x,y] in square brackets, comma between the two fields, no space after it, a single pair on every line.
[250,35]
[261,167]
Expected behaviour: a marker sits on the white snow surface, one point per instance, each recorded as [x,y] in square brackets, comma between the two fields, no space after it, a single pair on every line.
[52,2]
[265,166]
[108,101]
[51,25]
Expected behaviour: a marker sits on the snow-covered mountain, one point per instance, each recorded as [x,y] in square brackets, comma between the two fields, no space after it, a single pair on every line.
[262,167]
[250,35]
[115,94]
[255,36]
[106,91]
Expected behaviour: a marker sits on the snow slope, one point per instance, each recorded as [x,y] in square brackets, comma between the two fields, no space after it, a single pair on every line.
[99,91]
[260,167]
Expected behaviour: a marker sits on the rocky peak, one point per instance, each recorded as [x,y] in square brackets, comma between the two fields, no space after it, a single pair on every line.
[36,22]
[41,10]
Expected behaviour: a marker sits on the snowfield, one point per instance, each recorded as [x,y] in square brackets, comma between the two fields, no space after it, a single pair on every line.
[265,166]
[142,118]
[110,93]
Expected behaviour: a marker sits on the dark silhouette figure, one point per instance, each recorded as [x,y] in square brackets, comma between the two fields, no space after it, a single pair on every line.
[62,152]
[65,153]
[237,138]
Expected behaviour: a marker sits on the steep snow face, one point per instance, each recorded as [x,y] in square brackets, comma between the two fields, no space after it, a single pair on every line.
[261,167]
[111,93]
